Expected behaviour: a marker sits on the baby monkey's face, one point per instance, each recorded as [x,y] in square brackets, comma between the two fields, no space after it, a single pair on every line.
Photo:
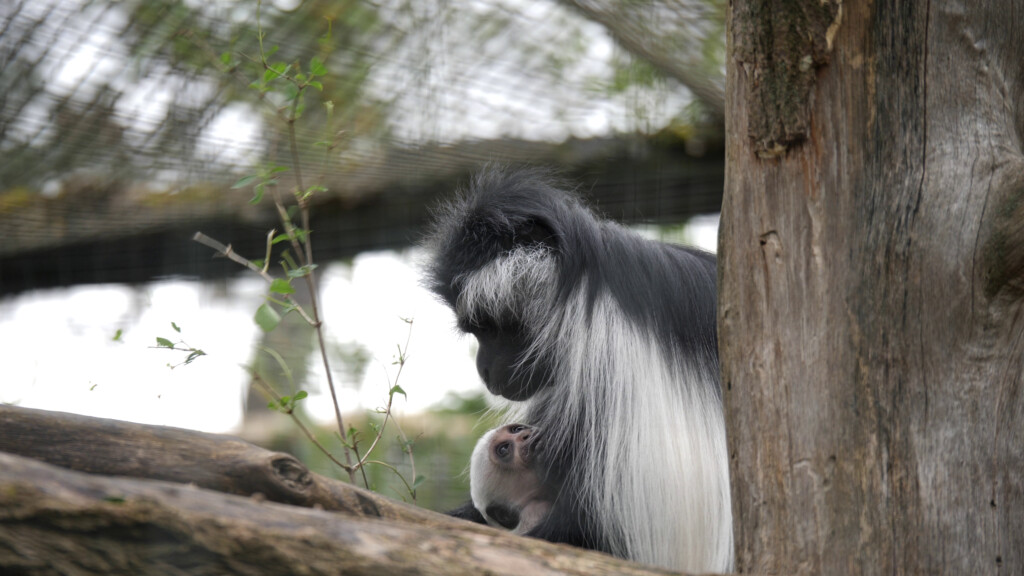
[505,486]
[511,447]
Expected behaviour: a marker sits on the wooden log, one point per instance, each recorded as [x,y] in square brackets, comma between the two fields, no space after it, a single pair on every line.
[59,521]
[217,462]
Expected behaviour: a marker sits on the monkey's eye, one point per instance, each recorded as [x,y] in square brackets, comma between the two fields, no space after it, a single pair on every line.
[516,429]
[503,450]
[481,326]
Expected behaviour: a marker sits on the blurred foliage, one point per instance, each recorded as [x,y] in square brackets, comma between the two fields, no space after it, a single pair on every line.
[145,89]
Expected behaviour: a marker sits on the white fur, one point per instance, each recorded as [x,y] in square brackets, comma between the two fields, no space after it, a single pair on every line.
[661,477]
[519,285]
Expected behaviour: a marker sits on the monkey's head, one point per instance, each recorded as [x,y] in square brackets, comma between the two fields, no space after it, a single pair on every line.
[504,484]
[499,261]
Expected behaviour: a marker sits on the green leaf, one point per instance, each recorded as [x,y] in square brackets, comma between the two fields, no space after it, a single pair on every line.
[279,238]
[281,286]
[275,169]
[175,326]
[271,51]
[257,194]
[291,92]
[302,271]
[316,67]
[314,188]
[316,84]
[243,182]
[267,318]
[117,336]
[164,342]
[225,58]
[195,354]
[396,389]
[300,395]
[419,480]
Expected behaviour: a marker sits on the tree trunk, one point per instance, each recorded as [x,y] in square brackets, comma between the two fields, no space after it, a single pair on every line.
[872,276]
[118,520]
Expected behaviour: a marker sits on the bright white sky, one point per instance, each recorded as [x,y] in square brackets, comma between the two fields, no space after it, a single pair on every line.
[59,353]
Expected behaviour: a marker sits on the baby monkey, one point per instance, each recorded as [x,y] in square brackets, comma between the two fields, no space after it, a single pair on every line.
[504,483]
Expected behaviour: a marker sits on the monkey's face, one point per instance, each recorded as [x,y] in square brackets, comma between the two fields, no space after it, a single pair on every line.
[504,484]
[500,363]
[512,447]
[502,291]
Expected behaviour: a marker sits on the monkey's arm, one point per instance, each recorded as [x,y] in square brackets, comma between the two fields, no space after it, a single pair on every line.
[567,524]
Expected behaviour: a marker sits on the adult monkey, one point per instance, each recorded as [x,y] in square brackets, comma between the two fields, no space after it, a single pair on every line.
[606,341]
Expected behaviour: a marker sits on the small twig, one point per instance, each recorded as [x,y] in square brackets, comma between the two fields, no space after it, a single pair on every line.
[408,450]
[304,252]
[226,250]
[387,415]
[397,473]
[269,390]
[362,469]
[295,148]
[405,440]
[380,431]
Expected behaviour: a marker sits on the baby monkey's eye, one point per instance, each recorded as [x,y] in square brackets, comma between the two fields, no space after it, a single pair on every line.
[503,450]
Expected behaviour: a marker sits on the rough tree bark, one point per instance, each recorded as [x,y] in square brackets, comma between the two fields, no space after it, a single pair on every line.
[167,501]
[871,286]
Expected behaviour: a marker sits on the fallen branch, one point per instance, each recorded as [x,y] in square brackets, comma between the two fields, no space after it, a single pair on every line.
[58,521]
[160,500]
[221,463]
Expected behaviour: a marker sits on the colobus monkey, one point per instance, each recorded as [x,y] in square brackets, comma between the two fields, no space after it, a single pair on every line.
[606,342]
[506,488]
